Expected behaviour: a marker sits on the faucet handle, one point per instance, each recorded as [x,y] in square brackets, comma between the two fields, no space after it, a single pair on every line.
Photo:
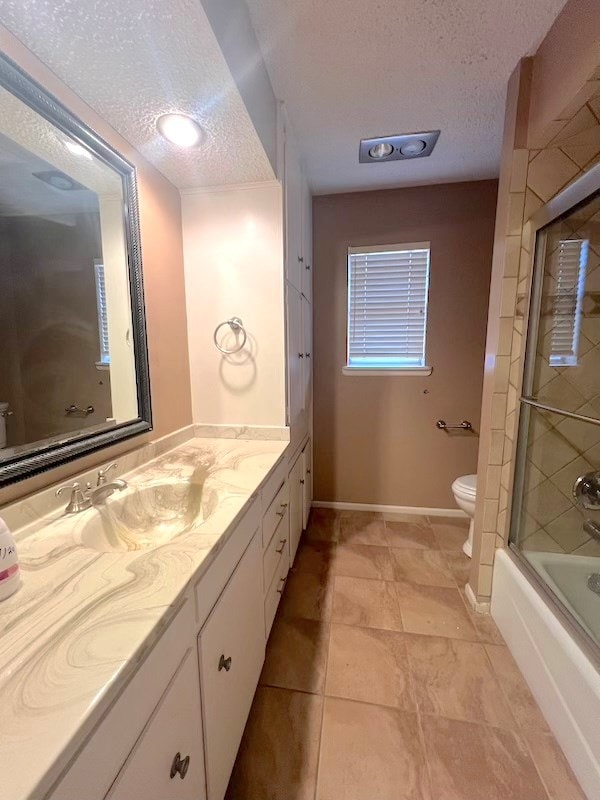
[103,472]
[79,500]
[74,487]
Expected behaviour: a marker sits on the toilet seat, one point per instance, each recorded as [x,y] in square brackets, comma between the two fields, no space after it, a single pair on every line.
[466,486]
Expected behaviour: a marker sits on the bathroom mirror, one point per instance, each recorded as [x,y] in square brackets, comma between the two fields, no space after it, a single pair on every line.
[73,355]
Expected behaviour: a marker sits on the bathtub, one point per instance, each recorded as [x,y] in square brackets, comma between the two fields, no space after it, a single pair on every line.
[567,576]
[561,672]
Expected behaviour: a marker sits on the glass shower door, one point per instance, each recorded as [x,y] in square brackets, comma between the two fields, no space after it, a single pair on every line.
[555,521]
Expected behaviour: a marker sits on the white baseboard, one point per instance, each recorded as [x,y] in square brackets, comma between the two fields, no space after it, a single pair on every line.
[419,511]
[482,607]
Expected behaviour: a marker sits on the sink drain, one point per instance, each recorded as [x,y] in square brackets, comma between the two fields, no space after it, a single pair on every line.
[593,582]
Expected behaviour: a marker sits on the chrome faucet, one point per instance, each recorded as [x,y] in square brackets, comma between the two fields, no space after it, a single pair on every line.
[103,491]
[80,499]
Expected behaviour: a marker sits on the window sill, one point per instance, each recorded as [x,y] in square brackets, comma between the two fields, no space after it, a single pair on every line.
[102,365]
[409,372]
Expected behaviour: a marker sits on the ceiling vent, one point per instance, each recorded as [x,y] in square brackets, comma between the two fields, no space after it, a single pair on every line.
[397,148]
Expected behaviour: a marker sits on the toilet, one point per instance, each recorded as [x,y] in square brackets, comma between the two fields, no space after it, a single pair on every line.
[464,490]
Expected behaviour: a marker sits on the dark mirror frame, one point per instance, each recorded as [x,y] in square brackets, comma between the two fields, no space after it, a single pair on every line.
[45,457]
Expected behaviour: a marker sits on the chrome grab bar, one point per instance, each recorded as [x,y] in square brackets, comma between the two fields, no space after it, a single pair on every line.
[75,409]
[465,425]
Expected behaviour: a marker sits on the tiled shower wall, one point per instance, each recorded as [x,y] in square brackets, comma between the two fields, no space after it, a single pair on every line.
[571,146]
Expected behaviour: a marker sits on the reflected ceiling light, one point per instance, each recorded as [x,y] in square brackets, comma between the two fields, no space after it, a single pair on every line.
[77,149]
[180,129]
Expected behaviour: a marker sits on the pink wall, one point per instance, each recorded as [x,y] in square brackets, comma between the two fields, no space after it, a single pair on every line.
[162,249]
[375,437]
[566,58]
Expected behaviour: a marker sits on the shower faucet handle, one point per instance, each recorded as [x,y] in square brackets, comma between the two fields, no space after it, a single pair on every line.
[586,490]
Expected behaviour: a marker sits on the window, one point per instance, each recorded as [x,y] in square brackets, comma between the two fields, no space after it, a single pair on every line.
[102,314]
[569,274]
[387,309]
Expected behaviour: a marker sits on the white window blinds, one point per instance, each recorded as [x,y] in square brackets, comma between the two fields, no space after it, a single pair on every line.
[387,306]
[102,313]
[569,274]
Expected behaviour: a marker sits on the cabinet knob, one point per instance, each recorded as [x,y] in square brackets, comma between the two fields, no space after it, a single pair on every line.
[300,355]
[282,543]
[180,766]
[283,582]
[224,663]
[307,355]
[280,513]
[301,259]
[307,266]
[302,481]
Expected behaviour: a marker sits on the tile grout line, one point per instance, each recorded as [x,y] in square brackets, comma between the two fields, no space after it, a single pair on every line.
[519,726]
[323,695]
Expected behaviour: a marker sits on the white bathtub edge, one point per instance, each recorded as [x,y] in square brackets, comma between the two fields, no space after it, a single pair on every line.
[562,678]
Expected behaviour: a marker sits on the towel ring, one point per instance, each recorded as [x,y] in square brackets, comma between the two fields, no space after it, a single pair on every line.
[235,323]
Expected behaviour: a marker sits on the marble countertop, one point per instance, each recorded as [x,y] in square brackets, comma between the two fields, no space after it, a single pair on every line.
[83,619]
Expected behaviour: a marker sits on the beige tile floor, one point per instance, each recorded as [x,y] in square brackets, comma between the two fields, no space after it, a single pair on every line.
[380,683]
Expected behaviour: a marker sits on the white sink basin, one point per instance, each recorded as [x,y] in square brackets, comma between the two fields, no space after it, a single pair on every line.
[142,518]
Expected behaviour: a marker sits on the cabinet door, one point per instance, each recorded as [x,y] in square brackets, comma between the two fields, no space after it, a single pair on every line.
[296,481]
[168,758]
[293,214]
[307,254]
[232,651]
[307,485]
[295,364]
[307,366]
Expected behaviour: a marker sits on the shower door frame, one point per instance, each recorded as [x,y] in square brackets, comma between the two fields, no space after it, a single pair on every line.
[561,205]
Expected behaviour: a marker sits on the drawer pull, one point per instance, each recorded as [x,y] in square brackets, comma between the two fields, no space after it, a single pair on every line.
[282,543]
[283,582]
[180,766]
[224,663]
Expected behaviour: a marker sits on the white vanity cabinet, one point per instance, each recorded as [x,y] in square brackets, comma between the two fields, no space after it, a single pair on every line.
[300,480]
[231,648]
[307,492]
[174,731]
[296,479]
[168,758]
[294,197]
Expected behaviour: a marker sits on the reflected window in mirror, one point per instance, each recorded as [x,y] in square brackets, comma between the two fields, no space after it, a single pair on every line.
[73,363]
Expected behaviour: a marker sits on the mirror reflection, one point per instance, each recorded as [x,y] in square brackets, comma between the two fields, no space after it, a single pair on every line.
[67,363]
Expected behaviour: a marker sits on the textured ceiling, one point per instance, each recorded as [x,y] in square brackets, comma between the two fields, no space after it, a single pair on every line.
[349,70]
[133,60]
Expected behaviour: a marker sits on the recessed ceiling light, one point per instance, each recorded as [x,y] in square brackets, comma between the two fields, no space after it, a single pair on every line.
[180,129]
[397,148]
[381,150]
[413,148]
[77,149]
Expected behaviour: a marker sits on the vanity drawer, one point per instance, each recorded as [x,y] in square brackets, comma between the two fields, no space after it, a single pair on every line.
[275,591]
[278,545]
[232,651]
[168,758]
[275,512]
[273,483]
